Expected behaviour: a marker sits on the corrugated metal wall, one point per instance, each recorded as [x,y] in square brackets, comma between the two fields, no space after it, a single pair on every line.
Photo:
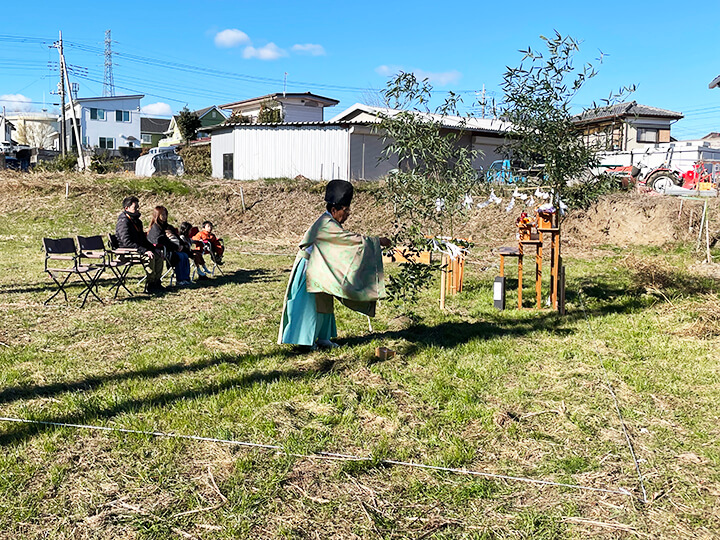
[221,143]
[318,153]
[365,157]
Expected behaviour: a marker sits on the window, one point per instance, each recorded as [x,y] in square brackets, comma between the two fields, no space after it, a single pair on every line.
[85,141]
[227,166]
[122,116]
[647,135]
[146,138]
[97,114]
[107,142]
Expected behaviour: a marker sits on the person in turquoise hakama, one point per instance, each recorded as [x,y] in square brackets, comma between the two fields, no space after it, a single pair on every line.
[331,263]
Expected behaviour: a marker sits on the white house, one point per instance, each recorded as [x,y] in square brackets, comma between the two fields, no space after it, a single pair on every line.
[346,147]
[36,129]
[6,128]
[294,107]
[106,123]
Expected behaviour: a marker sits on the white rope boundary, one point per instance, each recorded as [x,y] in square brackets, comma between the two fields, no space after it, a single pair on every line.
[321,455]
[615,400]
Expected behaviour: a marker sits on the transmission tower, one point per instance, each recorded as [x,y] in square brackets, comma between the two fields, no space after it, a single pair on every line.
[108,81]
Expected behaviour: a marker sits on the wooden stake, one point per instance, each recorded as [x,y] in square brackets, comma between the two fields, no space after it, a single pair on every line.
[242,199]
[443,278]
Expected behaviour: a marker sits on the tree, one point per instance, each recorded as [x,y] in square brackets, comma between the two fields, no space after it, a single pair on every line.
[35,134]
[435,179]
[537,103]
[188,123]
[270,113]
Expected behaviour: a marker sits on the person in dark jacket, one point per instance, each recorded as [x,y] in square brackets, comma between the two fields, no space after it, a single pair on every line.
[130,234]
[163,235]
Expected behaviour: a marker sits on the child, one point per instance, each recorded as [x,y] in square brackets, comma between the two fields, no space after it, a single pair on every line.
[206,235]
[187,232]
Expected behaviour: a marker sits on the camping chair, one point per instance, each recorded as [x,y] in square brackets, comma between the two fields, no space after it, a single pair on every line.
[169,268]
[125,258]
[205,248]
[63,249]
[93,247]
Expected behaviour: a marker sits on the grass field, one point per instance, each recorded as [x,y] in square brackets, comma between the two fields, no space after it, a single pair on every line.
[519,393]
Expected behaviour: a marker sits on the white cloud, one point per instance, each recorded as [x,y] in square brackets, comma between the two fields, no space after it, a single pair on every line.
[387,71]
[15,102]
[309,48]
[441,79]
[232,37]
[157,109]
[268,52]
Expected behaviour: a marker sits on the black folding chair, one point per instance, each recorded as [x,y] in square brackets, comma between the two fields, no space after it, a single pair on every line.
[63,249]
[123,259]
[93,248]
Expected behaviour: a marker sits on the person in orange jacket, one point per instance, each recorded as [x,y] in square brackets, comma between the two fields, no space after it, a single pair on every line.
[206,235]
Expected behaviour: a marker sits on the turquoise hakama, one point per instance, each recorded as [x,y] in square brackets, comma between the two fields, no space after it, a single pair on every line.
[302,324]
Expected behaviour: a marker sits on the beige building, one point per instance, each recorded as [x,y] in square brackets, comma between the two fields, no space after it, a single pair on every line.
[626,126]
[35,129]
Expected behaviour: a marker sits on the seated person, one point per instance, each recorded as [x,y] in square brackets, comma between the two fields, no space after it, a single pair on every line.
[164,235]
[187,231]
[206,235]
[131,235]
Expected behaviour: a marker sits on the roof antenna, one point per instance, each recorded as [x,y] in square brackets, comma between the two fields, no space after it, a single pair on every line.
[285,84]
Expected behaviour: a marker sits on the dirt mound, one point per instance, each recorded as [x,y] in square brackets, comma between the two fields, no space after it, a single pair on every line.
[278,212]
[638,219]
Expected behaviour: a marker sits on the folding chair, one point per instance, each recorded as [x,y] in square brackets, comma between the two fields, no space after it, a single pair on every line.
[169,268]
[205,248]
[63,249]
[93,247]
[125,258]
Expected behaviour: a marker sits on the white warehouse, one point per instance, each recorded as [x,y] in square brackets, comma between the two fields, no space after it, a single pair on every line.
[345,147]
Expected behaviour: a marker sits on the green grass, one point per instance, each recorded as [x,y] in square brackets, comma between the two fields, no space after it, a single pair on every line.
[513,393]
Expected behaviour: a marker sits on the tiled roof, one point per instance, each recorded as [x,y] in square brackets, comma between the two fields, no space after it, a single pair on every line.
[624,110]
[154,125]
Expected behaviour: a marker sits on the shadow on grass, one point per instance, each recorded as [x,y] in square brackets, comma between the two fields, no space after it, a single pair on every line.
[454,333]
[16,432]
[243,275]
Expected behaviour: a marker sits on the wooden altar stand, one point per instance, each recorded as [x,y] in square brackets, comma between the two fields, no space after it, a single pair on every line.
[546,224]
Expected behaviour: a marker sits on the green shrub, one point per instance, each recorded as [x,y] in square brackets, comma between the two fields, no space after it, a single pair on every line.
[102,163]
[197,160]
[68,163]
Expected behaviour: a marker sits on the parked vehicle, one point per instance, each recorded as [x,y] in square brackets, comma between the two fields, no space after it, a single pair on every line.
[500,172]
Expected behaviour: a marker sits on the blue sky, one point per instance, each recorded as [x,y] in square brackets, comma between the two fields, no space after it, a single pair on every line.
[216,51]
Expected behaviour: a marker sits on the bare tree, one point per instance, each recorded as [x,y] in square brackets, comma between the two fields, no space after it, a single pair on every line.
[35,134]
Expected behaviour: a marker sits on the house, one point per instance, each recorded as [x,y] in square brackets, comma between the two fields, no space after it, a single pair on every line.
[36,129]
[347,147]
[108,123]
[209,117]
[626,126]
[152,130]
[294,107]
[6,128]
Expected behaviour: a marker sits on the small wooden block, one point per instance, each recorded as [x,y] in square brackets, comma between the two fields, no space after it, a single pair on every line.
[383,353]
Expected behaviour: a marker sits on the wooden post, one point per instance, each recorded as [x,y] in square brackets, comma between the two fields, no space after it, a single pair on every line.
[443,278]
[538,275]
[520,276]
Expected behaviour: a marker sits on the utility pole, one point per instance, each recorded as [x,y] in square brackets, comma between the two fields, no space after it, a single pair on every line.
[76,129]
[61,90]
[483,101]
